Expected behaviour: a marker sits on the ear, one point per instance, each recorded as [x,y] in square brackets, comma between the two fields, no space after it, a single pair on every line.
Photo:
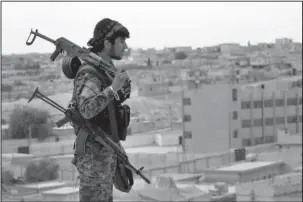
[107,44]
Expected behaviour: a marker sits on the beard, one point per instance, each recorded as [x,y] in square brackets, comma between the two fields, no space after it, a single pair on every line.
[114,55]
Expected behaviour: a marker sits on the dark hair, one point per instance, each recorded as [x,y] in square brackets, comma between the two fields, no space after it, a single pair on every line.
[101,29]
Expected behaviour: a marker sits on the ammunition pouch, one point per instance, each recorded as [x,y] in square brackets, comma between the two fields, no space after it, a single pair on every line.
[123,120]
[122,117]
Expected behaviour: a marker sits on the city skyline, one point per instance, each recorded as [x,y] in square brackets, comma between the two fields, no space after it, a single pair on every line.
[152,24]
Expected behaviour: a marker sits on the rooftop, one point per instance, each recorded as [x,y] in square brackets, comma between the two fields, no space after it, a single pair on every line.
[43,185]
[62,191]
[247,166]
[153,149]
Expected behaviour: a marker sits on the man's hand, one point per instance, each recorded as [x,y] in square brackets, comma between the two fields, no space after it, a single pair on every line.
[126,89]
[119,80]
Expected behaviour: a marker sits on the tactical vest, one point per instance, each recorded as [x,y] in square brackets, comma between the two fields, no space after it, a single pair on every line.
[122,112]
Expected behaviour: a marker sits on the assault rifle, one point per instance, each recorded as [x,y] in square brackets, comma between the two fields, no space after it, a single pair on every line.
[96,132]
[73,50]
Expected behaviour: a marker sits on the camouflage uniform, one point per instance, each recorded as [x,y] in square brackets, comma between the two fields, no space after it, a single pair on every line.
[96,171]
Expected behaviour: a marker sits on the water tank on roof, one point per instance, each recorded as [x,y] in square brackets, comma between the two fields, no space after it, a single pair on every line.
[240,154]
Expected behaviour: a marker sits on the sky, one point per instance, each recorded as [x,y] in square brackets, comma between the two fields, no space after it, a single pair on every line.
[151,24]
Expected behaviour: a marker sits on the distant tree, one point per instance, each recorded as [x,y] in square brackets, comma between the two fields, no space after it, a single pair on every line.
[166,62]
[23,117]
[6,88]
[180,55]
[19,83]
[36,65]
[3,121]
[149,63]
[24,66]
[7,177]
[39,171]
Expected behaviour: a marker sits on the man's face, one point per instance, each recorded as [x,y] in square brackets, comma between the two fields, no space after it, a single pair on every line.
[118,48]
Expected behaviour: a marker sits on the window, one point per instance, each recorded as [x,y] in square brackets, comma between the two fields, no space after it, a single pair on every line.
[291,101]
[187,118]
[297,84]
[279,102]
[246,123]
[258,140]
[268,103]
[187,135]
[292,119]
[235,135]
[300,101]
[269,139]
[279,120]
[186,101]
[300,119]
[245,105]
[269,121]
[257,122]
[234,95]
[235,115]
[258,104]
[246,142]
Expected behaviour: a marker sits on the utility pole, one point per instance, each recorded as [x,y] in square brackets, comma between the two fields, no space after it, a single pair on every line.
[170,117]
[29,137]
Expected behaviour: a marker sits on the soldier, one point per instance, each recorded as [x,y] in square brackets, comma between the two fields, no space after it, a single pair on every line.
[91,97]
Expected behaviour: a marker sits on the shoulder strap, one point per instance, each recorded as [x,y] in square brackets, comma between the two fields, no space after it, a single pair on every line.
[92,70]
[111,106]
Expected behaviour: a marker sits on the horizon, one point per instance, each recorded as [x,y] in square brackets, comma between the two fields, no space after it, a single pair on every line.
[195,24]
[136,48]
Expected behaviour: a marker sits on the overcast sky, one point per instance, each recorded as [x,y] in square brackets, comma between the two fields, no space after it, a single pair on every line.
[151,24]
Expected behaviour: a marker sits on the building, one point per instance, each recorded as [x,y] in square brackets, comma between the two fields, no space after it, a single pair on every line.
[61,194]
[284,43]
[153,89]
[230,48]
[245,172]
[36,188]
[220,116]
[278,188]
[286,140]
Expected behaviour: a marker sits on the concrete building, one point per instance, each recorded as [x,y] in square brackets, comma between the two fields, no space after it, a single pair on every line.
[153,89]
[218,117]
[274,189]
[245,172]
[230,48]
[61,194]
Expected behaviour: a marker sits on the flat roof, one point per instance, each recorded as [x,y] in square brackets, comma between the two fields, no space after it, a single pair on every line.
[180,176]
[62,191]
[11,155]
[247,166]
[153,149]
[43,184]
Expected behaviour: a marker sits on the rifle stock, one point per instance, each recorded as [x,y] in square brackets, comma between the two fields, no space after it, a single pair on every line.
[98,134]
